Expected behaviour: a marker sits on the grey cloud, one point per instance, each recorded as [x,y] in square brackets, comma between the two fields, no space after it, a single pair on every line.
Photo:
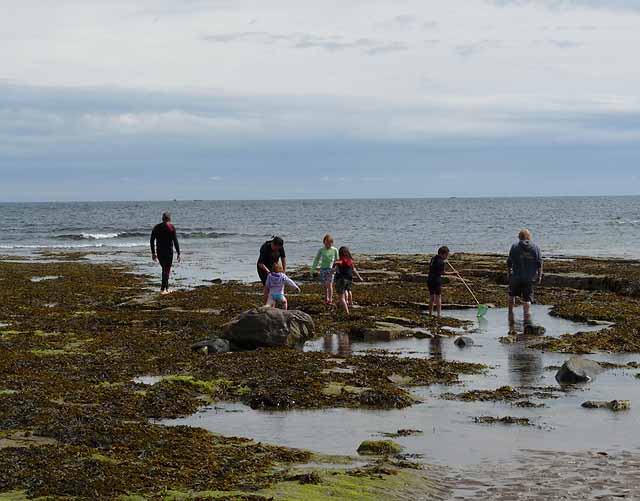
[616,5]
[565,44]
[330,43]
[474,48]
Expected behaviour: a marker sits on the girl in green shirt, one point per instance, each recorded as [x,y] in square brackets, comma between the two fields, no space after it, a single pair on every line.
[325,258]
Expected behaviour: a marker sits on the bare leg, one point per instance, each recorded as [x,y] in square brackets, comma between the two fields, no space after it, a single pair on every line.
[526,310]
[285,304]
[329,291]
[343,302]
[350,298]
[512,302]
[439,304]
[431,303]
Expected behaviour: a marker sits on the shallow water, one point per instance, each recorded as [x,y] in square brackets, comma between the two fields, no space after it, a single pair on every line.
[450,435]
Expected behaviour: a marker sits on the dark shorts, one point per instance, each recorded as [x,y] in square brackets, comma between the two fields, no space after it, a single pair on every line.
[343,285]
[263,275]
[435,287]
[522,289]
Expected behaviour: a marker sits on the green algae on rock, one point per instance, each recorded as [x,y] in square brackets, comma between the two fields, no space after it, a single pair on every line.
[378,448]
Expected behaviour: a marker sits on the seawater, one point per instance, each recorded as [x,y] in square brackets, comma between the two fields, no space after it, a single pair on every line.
[450,435]
[220,239]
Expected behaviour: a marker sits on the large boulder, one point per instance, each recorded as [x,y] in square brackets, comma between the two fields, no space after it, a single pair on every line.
[578,370]
[268,327]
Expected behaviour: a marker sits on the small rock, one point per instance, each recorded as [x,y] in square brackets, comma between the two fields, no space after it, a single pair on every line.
[213,345]
[420,333]
[578,370]
[534,330]
[502,420]
[463,341]
[508,339]
[614,405]
[379,448]
[386,331]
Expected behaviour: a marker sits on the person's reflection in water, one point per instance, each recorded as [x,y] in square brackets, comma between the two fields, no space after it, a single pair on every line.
[525,364]
[327,343]
[435,347]
[344,344]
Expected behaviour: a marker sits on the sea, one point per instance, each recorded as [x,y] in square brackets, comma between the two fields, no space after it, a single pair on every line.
[220,239]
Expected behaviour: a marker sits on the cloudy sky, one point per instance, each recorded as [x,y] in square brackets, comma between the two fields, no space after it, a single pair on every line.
[199,99]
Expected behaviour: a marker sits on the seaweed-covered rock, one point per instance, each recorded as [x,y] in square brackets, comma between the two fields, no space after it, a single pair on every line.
[269,327]
[614,405]
[212,345]
[578,370]
[463,342]
[379,448]
[386,331]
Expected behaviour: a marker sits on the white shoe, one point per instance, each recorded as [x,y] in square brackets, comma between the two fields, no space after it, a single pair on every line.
[164,292]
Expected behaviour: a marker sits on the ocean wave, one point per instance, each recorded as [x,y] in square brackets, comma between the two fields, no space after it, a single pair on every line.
[72,246]
[138,234]
[633,222]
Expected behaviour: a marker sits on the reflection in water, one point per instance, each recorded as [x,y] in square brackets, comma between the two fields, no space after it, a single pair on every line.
[525,365]
[435,347]
[337,344]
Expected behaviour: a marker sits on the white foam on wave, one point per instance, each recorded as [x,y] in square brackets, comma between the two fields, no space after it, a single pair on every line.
[99,236]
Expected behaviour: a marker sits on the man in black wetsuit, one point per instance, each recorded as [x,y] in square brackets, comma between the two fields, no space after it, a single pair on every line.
[271,252]
[163,239]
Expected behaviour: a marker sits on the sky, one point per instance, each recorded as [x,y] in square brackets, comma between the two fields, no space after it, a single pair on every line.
[246,99]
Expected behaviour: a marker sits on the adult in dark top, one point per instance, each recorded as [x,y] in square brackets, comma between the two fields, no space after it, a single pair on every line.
[524,268]
[163,240]
[271,252]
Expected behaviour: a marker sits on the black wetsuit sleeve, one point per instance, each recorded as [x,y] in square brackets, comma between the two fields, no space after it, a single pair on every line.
[174,236]
[152,241]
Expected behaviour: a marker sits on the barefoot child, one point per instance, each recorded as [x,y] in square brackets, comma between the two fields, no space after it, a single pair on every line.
[343,269]
[274,287]
[326,256]
[434,279]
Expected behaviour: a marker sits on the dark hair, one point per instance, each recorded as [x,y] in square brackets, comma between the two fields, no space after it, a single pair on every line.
[166,216]
[443,250]
[277,241]
[345,253]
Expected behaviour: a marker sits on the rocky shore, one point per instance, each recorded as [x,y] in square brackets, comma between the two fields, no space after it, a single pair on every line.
[74,335]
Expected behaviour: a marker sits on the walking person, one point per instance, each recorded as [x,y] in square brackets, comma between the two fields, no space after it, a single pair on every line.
[344,269]
[524,268]
[274,287]
[163,240]
[326,256]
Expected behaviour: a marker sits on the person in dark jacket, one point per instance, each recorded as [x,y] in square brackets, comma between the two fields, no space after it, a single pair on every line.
[524,268]
[271,252]
[163,240]
[437,268]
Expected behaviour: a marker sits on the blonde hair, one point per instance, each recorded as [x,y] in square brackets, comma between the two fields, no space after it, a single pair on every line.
[277,268]
[525,234]
[327,238]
